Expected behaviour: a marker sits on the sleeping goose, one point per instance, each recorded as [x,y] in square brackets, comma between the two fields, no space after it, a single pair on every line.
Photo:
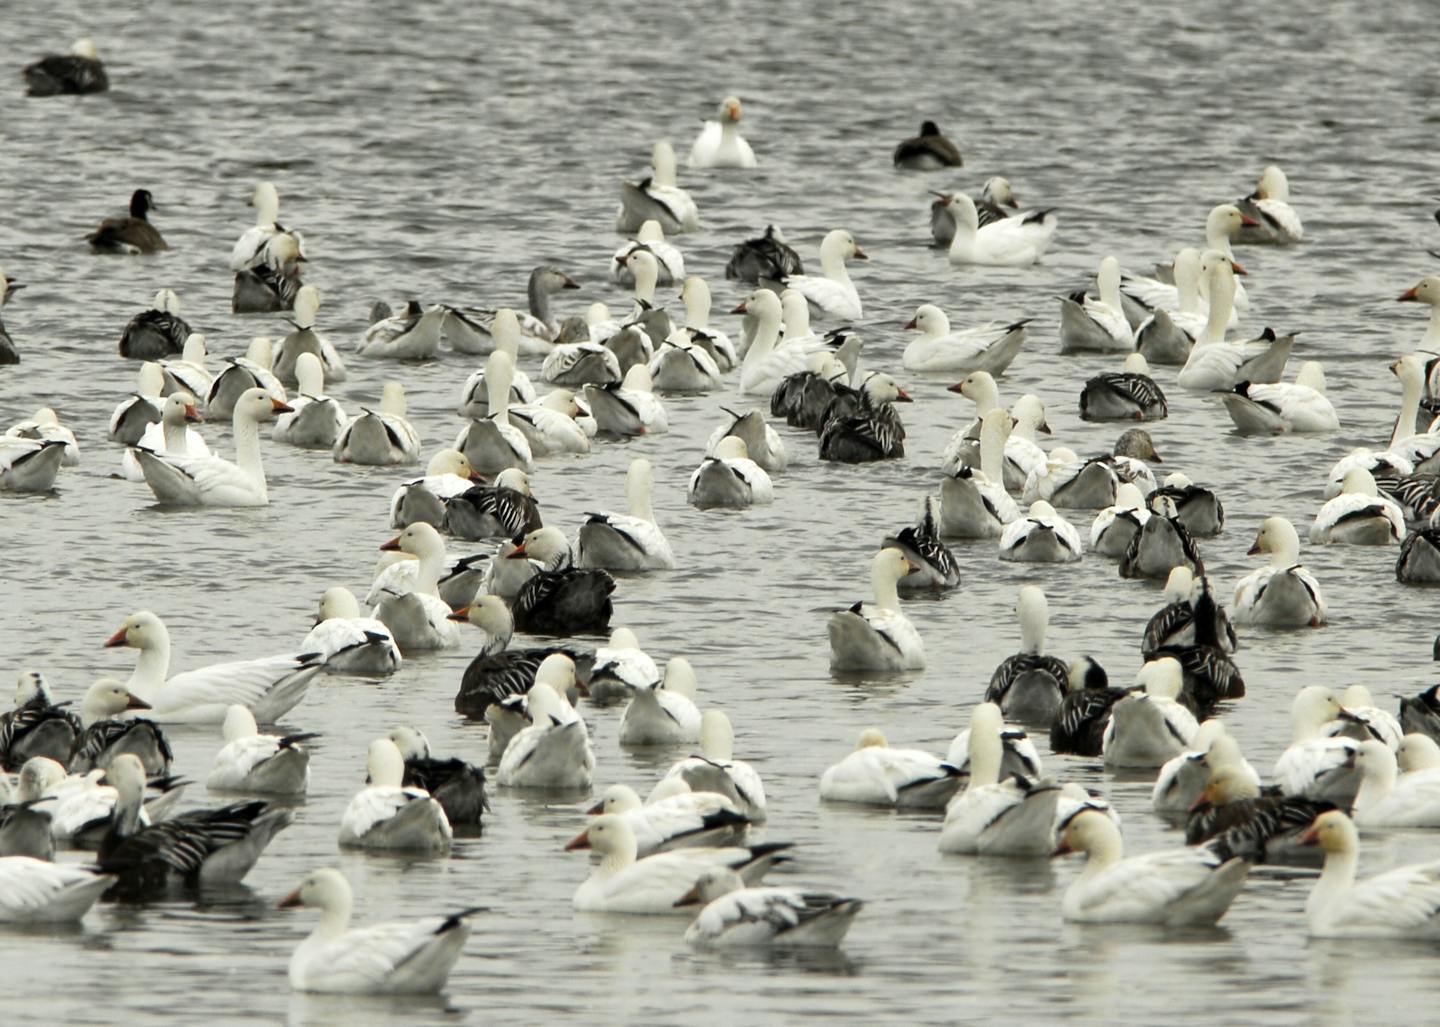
[657,198]
[1099,324]
[132,234]
[157,332]
[1040,536]
[663,712]
[1400,903]
[935,566]
[729,478]
[447,474]
[736,915]
[27,465]
[1150,726]
[1115,527]
[678,820]
[719,144]
[1010,242]
[189,373]
[393,958]
[991,347]
[379,437]
[975,504]
[202,479]
[411,334]
[1162,544]
[1186,887]
[1359,515]
[1029,686]
[1274,220]
[1282,594]
[1314,764]
[1197,507]
[268,687]
[877,637]
[106,735]
[1282,406]
[832,293]
[626,542]
[715,768]
[349,643]
[416,616]
[387,815]
[874,774]
[75,74]
[316,420]
[252,371]
[261,764]
[171,435]
[554,751]
[45,426]
[928,151]
[620,668]
[565,601]
[1128,395]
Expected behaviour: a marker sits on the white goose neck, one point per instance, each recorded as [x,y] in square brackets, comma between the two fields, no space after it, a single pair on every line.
[1222,305]
[1412,384]
[992,452]
[247,449]
[638,493]
[885,586]
[151,667]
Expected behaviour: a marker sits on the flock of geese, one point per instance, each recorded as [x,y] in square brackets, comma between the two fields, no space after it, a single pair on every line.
[102,780]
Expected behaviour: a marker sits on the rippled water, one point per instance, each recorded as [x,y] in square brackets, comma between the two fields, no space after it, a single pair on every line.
[440,153]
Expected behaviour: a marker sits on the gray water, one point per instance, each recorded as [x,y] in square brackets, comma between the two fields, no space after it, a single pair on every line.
[440,153]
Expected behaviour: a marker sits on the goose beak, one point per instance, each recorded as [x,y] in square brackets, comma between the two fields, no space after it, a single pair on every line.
[1253,550]
[958,388]
[910,325]
[134,702]
[580,841]
[1310,837]
[1203,799]
[902,396]
[1409,296]
[690,898]
[596,810]
[861,254]
[739,310]
[1063,849]
[192,415]
[518,554]
[477,477]
[1239,268]
[117,639]
[291,901]
[570,283]
[280,407]
[392,546]
[1248,221]
[462,614]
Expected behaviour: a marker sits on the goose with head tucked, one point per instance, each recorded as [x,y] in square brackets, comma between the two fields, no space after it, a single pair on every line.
[1150,726]
[580,356]
[1217,364]
[877,637]
[1185,887]
[1269,207]
[1280,407]
[389,816]
[875,774]
[1362,720]
[1315,764]
[565,601]
[803,398]
[423,499]
[1017,241]
[412,333]
[1127,395]
[316,420]
[832,293]
[349,643]
[990,347]
[1067,480]
[1359,515]
[72,74]
[1173,317]
[1040,536]
[1388,799]
[931,150]
[554,751]
[1116,526]
[417,617]
[393,958]
[1400,903]
[766,258]
[735,915]
[620,668]
[728,478]
[1029,686]
[37,726]
[935,566]
[715,768]
[256,763]
[132,234]
[252,371]
[762,442]
[1080,725]
[1096,324]
[202,479]
[657,198]
[35,890]
[503,510]
[1199,508]
[680,819]
[305,339]
[663,712]
[172,434]
[973,502]
[631,541]
[107,734]
[269,687]
[1174,623]
[28,465]
[1282,594]
[157,332]
[380,437]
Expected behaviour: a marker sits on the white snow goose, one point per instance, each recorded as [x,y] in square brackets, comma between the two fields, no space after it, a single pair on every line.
[719,144]
[1040,536]
[1275,221]
[380,437]
[1401,903]
[393,958]
[554,751]
[191,480]
[386,815]
[448,474]
[627,542]
[492,443]
[171,434]
[1173,316]
[252,371]
[1010,242]
[316,420]
[458,786]
[657,198]
[474,395]
[1150,726]
[1116,526]
[45,426]
[1028,686]
[141,408]
[974,502]
[1280,407]
[256,763]
[832,293]
[417,617]
[669,262]
[268,687]
[877,637]
[1359,515]
[990,347]
[349,643]
[763,444]
[1282,594]
[663,712]
[1314,764]
[411,334]
[620,668]
[730,479]
[1388,799]
[715,769]
[29,466]
[997,202]
[1407,444]
[1091,324]
[38,891]
[628,407]
[678,820]
[874,774]
[552,425]
[735,915]
[305,339]
[1218,364]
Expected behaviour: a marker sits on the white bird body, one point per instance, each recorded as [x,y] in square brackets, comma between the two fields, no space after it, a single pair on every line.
[1010,242]
[877,636]
[719,144]
[386,815]
[874,774]
[37,891]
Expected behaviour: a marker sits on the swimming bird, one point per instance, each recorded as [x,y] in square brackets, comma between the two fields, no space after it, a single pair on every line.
[74,74]
[975,504]
[157,332]
[1283,406]
[38,891]
[877,637]
[1127,395]
[261,764]
[663,712]
[1162,544]
[106,735]
[132,234]
[669,262]
[629,407]
[1315,764]
[1084,716]
[1258,825]
[393,958]
[1029,686]
[626,542]
[715,768]
[1087,323]
[1401,903]
[682,818]
[1116,526]
[418,618]
[458,786]
[719,144]
[387,815]
[1388,799]
[729,478]
[564,601]
[1217,364]
[506,509]
[252,371]
[44,426]
[832,293]
[1010,242]
[997,201]
[875,774]
[305,339]
[657,198]
[472,329]
[1150,726]
[189,373]
[763,444]
[1282,594]
[380,437]
[736,915]
[1040,536]
[1359,515]
[935,566]
[767,258]
[348,643]
[27,465]
[448,474]
[620,667]
[1197,507]
[1180,785]
[492,443]
[1174,623]
[928,151]
[554,751]
[202,479]
[870,432]
[37,726]
[316,420]
[1275,221]
[990,347]
[1419,560]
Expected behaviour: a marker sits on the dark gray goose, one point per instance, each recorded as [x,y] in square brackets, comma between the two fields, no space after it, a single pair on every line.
[1030,687]
[502,510]
[1259,825]
[156,333]
[560,602]
[8,353]
[1418,495]
[928,151]
[803,397]
[75,74]
[1421,715]
[936,569]
[1079,725]
[765,258]
[1209,675]
[497,671]
[873,431]
[1128,395]
[458,787]
[1162,544]
[1174,623]
[132,234]
[37,726]
[105,736]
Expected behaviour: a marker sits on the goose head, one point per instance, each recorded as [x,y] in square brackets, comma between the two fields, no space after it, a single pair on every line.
[839,245]
[711,885]
[307,305]
[323,889]
[1223,222]
[998,192]
[730,109]
[731,447]
[180,409]
[1273,185]
[492,616]
[930,320]
[108,698]
[717,736]
[1278,537]
[871,738]
[1029,413]
[1137,444]
[451,461]
[695,295]
[1427,290]
[309,375]
[616,799]
[606,834]
[880,388]
[1312,708]
[556,672]
[419,540]
[142,630]
[1034,613]
[1311,375]
[239,723]
[1092,833]
[29,685]
[1360,482]
[257,405]
[392,398]
[38,777]
[1334,832]
[1418,752]
[384,764]
[1226,785]
[85,48]
[1180,585]
[266,201]
[1129,497]
[411,741]
[337,602]
[514,479]
[764,304]
[1085,674]
[979,387]
[795,314]
[680,677]
[1162,678]
[126,774]
[544,545]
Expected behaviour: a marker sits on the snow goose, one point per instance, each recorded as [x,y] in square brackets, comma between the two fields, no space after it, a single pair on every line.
[380,437]
[1257,825]
[203,846]
[554,751]
[132,234]
[874,774]
[458,787]
[1281,406]
[394,958]
[735,915]
[1188,887]
[997,200]
[1116,526]
[1421,714]
[1010,242]
[626,542]
[695,295]
[629,407]
[1022,454]
[1080,725]
[1401,903]
[991,347]
[45,426]
[763,444]
[1362,720]
[877,637]
[507,716]
[663,713]
[262,764]
[1417,752]
[1316,765]
[1020,755]
[564,601]
[498,671]
[766,258]
[1013,817]
[657,198]
[832,293]
[475,395]
[873,431]
[766,363]
[157,332]
[1099,324]
[620,668]
[1210,676]
[492,443]
[655,884]
[680,819]
[1067,480]
[272,282]
[716,770]
[316,419]
[305,339]
[106,736]
[975,504]
[79,807]
[928,151]
[506,509]
[719,144]
[1359,515]
[1175,315]
[1215,363]
[1419,560]
[1427,291]
[202,479]
[29,466]
[669,262]
[447,474]
[170,436]
[190,373]
[349,643]
[472,329]
[1149,727]
[1040,536]
[1028,686]
[680,365]
[579,357]
[417,617]
[1197,507]
[252,248]
[268,687]
[1387,799]
[38,891]
[729,478]
[37,726]
[935,566]
[804,397]
[387,815]
[1275,221]
[1162,544]
[141,408]
[1407,446]
[1282,594]
[74,74]
[1127,395]
[552,425]
[411,334]
[252,371]
[1181,782]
